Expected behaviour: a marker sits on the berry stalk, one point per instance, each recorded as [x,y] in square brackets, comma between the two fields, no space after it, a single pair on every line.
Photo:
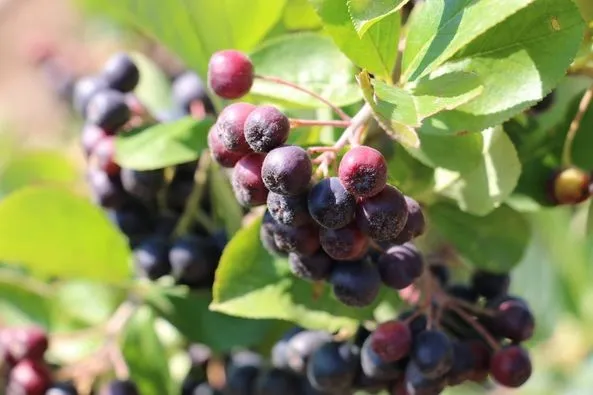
[574,127]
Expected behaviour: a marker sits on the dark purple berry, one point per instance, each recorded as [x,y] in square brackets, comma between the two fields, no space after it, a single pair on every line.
[219,152]
[463,292]
[151,258]
[90,137]
[374,366]
[62,388]
[287,170]
[84,90]
[417,383]
[355,283]
[279,353]
[417,325]
[302,345]
[193,260]
[106,191]
[463,363]
[108,110]
[330,204]
[230,74]
[347,243]
[490,285]
[392,340]
[247,181]
[304,240]
[231,129]
[187,89]
[314,268]
[440,272]
[399,266]
[384,215]
[121,73]
[105,156]
[266,128]
[513,319]
[511,366]
[363,171]
[289,210]
[266,234]
[143,184]
[332,367]
[433,353]
[277,382]
[120,387]
[242,372]
[415,224]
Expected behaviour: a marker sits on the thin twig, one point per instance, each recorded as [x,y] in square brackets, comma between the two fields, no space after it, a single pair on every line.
[280,81]
[193,201]
[476,325]
[574,127]
[295,123]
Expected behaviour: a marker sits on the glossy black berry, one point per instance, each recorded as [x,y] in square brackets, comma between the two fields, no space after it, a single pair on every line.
[417,383]
[145,184]
[302,345]
[231,129]
[314,268]
[399,266]
[84,90]
[433,353]
[376,367]
[384,215]
[247,181]
[332,367]
[230,74]
[287,170]
[355,283]
[363,171]
[330,204]
[303,240]
[415,223]
[193,260]
[120,387]
[347,243]
[511,366]
[266,128]
[108,110]
[289,210]
[121,73]
[188,88]
[490,285]
[151,258]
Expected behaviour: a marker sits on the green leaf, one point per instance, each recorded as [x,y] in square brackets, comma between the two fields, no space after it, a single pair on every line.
[154,87]
[442,27]
[376,51]
[188,312]
[145,354]
[393,108]
[37,167]
[196,29]
[495,242]
[435,151]
[365,13]
[309,60]
[55,233]
[300,15]
[519,62]
[445,92]
[23,301]
[490,182]
[249,276]
[226,208]
[163,144]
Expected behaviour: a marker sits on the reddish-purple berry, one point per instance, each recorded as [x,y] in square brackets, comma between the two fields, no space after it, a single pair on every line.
[247,182]
[363,171]
[230,74]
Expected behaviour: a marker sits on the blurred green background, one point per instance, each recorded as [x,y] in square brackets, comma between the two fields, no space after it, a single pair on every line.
[39,144]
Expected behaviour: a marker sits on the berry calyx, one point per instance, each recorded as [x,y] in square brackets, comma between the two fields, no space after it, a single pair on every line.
[363,171]
[230,74]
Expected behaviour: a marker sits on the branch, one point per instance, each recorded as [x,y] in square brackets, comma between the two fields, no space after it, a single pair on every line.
[574,127]
[193,201]
[477,326]
[295,123]
[280,81]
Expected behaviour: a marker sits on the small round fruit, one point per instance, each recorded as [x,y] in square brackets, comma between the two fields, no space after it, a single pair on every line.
[363,171]
[267,231]
[490,285]
[287,170]
[313,268]
[433,353]
[415,224]
[399,266]
[392,340]
[106,190]
[120,387]
[570,186]
[304,240]
[355,283]
[332,367]
[30,377]
[463,292]
[84,90]
[417,325]
[266,128]
[108,110]
[279,353]
[29,343]
[241,373]
[330,204]
[289,210]
[384,215]
[511,366]
[133,219]
[247,182]
[121,72]
[105,156]
[62,388]
[345,243]
[144,185]
[223,156]
[302,345]
[276,382]
[513,319]
[418,383]
[376,367]
[230,74]
[151,258]
[440,272]
[188,88]
[463,363]
[193,260]
[231,127]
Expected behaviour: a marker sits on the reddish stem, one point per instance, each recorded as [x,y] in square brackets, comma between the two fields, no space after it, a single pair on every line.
[295,123]
[280,81]
[476,325]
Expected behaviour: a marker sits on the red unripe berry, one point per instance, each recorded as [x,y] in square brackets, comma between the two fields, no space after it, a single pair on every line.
[392,340]
[219,153]
[363,171]
[230,74]
[90,137]
[29,343]
[29,377]
[105,155]
[511,366]
[231,127]
[247,181]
